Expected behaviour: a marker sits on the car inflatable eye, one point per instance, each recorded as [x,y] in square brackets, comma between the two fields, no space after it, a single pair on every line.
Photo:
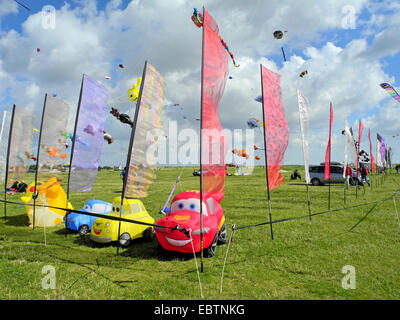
[86,208]
[192,206]
[180,206]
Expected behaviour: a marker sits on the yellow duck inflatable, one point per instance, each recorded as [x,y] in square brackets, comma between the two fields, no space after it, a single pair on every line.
[49,194]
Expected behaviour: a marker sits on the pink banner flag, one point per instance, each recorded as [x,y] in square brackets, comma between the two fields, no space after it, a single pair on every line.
[328,149]
[360,130]
[215,73]
[275,126]
[370,151]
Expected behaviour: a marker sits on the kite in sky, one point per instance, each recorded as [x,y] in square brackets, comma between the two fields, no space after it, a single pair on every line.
[133,93]
[123,117]
[301,75]
[197,19]
[278,34]
[389,89]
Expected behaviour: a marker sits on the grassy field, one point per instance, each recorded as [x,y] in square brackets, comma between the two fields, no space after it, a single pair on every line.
[304,261]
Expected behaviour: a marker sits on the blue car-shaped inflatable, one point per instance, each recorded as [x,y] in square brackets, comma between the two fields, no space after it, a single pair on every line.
[83,223]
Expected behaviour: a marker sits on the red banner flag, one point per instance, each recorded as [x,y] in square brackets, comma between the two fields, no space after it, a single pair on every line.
[328,149]
[370,151]
[215,73]
[275,126]
[360,130]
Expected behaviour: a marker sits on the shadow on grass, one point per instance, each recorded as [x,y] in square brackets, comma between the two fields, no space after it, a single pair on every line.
[17,221]
[138,248]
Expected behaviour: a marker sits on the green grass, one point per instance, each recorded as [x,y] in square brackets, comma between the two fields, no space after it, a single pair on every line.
[304,261]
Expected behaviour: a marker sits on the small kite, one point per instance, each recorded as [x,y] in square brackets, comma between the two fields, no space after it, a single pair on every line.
[240,153]
[71,137]
[36,130]
[198,19]
[89,130]
[133,93]
[108,137]
[107,77]
[301,75]
[258,99]
[53,152]
[123,117]
[258,148]
[389,89]
[30,155]
[37,49]
[254,123]
[121,66]
[171,105]
[257,157]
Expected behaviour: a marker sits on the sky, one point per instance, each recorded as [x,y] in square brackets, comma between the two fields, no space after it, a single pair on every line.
[348,48]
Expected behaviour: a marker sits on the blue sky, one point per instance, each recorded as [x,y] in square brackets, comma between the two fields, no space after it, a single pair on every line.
[345,65]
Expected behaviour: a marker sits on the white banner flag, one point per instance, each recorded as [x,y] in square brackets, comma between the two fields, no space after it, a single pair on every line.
[303,112]
[349,144]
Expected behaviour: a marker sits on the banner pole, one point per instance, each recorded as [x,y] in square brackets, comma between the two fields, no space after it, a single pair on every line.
[128,159]
[308,201]
[200,147]
[7,161]
[35,194]
[266,156]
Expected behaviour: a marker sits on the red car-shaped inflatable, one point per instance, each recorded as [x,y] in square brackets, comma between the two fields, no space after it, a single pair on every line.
[185,215]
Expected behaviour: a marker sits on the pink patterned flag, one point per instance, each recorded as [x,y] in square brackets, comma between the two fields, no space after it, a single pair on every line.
[275,126]
[215,74]
[370,151]
[328,149]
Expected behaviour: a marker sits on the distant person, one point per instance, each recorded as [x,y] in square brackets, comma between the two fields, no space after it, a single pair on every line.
[122,174]
[22,187]
[397,167]
[364,174]
[348,175]
[295,175]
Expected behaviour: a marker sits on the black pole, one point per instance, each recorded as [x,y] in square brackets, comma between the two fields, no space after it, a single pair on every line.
[329,190]
[265,154]
[7,161]
[201,130]
[35,194]
[128,159]
[308,200]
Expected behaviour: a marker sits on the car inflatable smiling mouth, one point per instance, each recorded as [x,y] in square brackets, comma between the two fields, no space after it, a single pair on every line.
[96,231]
[181,230]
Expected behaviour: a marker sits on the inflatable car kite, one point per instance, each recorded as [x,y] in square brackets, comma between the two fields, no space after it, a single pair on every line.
[83,223]
[185,215]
